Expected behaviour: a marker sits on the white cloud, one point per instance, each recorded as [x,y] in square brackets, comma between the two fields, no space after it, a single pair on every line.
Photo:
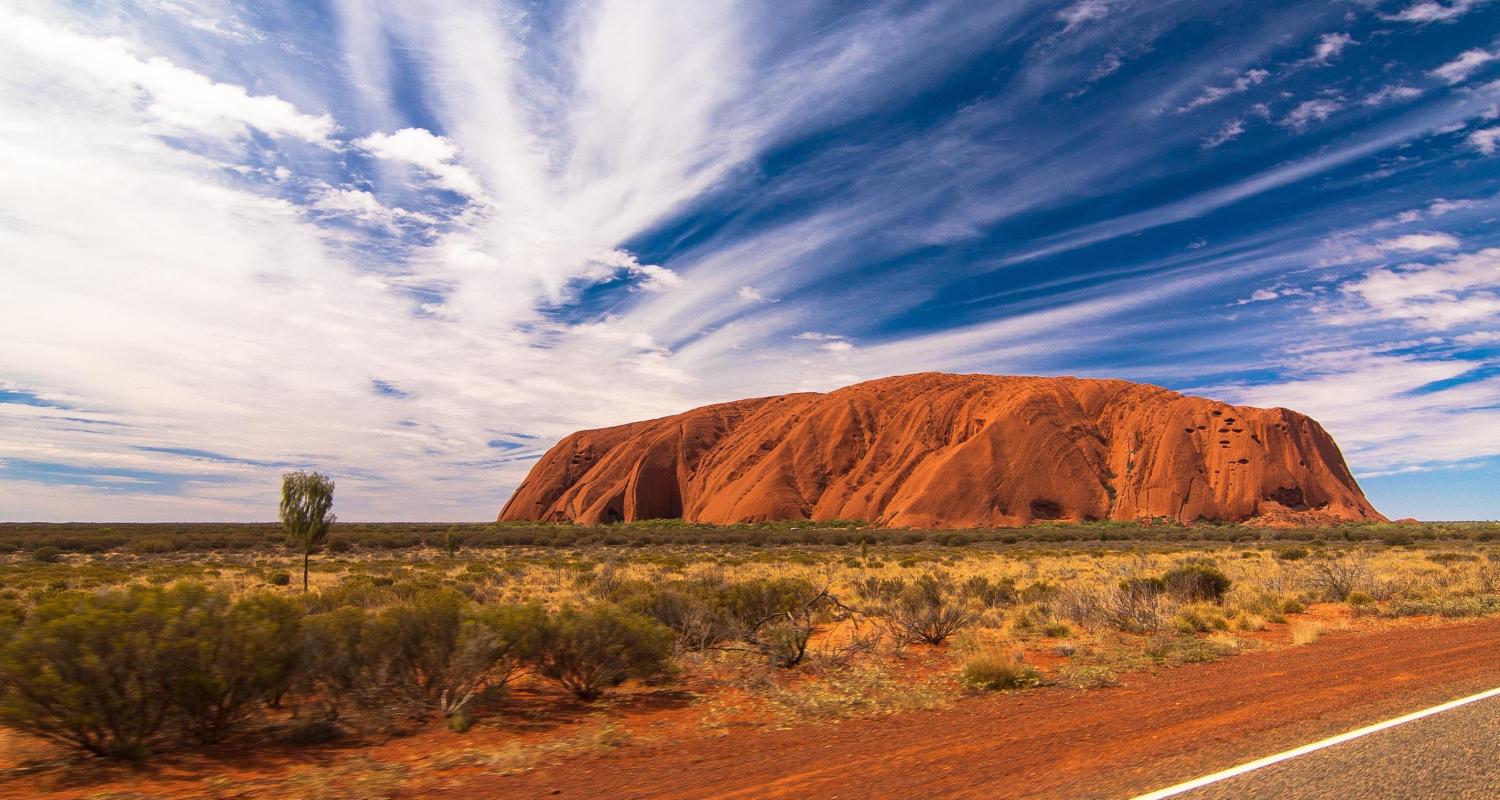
[750,294]
[1381,408]
[421,148]
[1485,140]
[365,208]
[1307,112]
[1329,47]
[1391,94]
[1231,131]
[211,16]
[1213,94]
[1467,63]
[1462,290]
[1478,337]
[1081,12]
[1417,243]
[174,100]
[1441,206]
[1434,11]
[1260,296]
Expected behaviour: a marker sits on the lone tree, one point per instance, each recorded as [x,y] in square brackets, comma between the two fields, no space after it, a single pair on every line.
[306,498]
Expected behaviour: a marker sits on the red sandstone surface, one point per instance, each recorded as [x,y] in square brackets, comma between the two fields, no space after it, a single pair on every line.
[950,451]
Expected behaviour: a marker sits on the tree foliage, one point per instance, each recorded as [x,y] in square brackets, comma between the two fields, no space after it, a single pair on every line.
[306,500]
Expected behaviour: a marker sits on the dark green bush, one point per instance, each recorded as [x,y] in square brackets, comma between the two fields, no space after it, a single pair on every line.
[87,670]
[335,667]
[1196,583]
[222,662]
[991,594]
[435,652]
[695,611]
[589,650]
[151,545]
[46,554]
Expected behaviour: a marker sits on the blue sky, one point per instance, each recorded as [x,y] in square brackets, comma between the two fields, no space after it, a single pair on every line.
[413,244]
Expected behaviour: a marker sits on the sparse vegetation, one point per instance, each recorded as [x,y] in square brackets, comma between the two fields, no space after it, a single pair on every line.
[113,642]
[991,671]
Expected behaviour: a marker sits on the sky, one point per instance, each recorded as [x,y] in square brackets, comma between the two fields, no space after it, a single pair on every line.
[413,244]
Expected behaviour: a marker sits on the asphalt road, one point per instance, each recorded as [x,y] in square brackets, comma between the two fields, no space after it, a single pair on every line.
[1454,754]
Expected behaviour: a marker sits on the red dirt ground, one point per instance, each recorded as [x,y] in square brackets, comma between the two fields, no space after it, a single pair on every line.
[1159,728]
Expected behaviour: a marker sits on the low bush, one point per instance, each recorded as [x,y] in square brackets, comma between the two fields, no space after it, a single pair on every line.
[86,671]
[1336,577]
[1196,582]
[588,650]
[992,672]
[1448,607]
[990,594]
[1199,619]
[930,610]
[435,653]
[221,661]
[107,672]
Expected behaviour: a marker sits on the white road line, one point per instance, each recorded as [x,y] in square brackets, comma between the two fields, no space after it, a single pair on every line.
[1180,788]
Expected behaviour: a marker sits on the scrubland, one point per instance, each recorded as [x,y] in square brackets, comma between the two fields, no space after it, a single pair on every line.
[438,650]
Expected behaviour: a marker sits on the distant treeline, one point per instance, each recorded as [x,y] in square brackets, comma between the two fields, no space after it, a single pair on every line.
[155,538]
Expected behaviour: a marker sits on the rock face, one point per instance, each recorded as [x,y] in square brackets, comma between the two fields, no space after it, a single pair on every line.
[951,451]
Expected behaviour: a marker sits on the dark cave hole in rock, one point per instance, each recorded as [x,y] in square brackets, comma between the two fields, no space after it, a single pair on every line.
[1046,509]
[1291,497]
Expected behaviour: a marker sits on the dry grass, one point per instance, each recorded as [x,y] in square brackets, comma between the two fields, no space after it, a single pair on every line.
[863,690]
[516,757]
[1306,631]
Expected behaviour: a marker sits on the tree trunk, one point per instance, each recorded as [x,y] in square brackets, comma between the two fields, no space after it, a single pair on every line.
[305,555]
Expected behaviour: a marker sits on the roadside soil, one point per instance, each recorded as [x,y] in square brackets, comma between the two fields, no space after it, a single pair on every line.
[1158,728]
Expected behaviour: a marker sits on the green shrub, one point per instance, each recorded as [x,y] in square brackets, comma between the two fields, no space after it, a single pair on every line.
[47,554]
[991,594]
[435,653]
[87,671]
[775,616]
[335,669]
[992,672]
[696,612]
[280,578]
[1292,554]
[152,545]
[222,662]
[1360,599]
[589,650]
[1196,583]
[1198,619]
